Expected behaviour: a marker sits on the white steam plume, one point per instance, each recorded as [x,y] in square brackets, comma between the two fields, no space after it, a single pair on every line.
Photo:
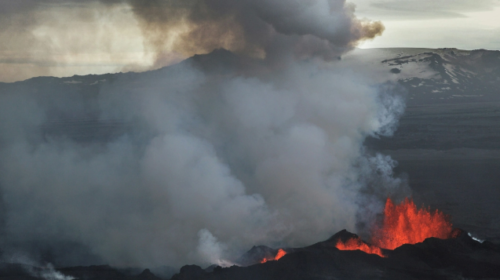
[47,271]
[200,161]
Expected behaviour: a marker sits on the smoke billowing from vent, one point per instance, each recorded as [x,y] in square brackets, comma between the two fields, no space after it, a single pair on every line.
[259,28]
[44,37]
[202,160]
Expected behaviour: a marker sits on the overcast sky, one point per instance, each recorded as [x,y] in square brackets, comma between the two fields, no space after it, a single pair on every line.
[67,37]
[463,24]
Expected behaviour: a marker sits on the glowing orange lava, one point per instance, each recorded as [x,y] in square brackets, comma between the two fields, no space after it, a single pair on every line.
[402,224]
[281,253]
[356,244]
[405,224]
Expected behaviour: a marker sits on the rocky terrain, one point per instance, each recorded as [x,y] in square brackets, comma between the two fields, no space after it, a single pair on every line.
[456,258]
[27,272]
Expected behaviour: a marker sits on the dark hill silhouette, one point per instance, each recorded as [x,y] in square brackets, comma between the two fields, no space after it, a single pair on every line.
[433,259]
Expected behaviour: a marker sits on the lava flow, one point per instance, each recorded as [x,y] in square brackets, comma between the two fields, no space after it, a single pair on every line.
[403,224]
[281,253]
[357,244]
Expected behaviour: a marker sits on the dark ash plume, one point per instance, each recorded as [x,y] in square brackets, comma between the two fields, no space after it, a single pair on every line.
[37,40]
[258,28]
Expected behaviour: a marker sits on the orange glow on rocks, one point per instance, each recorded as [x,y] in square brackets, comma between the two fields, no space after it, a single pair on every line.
[281,253]
[356,244]
[405,224]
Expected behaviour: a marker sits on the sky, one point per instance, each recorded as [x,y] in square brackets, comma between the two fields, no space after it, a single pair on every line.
[461,24]
[67,37]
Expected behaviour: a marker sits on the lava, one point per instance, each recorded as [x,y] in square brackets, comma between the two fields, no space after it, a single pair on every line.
[281,253]
[357,244]
[402,224]
[405,224]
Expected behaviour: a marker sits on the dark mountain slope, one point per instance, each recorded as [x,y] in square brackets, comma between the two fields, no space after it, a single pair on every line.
[458,258]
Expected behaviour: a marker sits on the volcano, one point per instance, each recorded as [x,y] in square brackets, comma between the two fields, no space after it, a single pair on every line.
[403,224]
[446,143]
[456,258]
[409,243]
[460,257]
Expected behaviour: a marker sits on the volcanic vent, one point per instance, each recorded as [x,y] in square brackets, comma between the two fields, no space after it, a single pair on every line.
[403,224]
[410,243]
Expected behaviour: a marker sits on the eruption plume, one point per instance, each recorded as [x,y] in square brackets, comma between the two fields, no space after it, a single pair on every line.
[262,28]
[262,144]
[42,34]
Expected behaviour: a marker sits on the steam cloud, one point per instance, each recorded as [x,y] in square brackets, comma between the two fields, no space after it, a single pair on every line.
[45,36]
[260,28]
[207,157]
[47,272]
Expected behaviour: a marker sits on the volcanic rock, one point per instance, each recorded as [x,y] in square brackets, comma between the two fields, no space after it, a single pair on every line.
[455,258]
[102,272]
[146,275]
[342,235]
[256,254]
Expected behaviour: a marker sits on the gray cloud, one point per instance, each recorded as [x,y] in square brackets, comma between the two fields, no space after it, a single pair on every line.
[176,28]
[257,28]
[205,163]
[200,161]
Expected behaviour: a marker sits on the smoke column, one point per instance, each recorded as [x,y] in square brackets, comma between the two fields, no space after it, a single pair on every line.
[197,162]
[57,37]
[263,28]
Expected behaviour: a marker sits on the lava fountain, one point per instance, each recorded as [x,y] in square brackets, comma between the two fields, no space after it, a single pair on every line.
[403,224]
[281,253]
